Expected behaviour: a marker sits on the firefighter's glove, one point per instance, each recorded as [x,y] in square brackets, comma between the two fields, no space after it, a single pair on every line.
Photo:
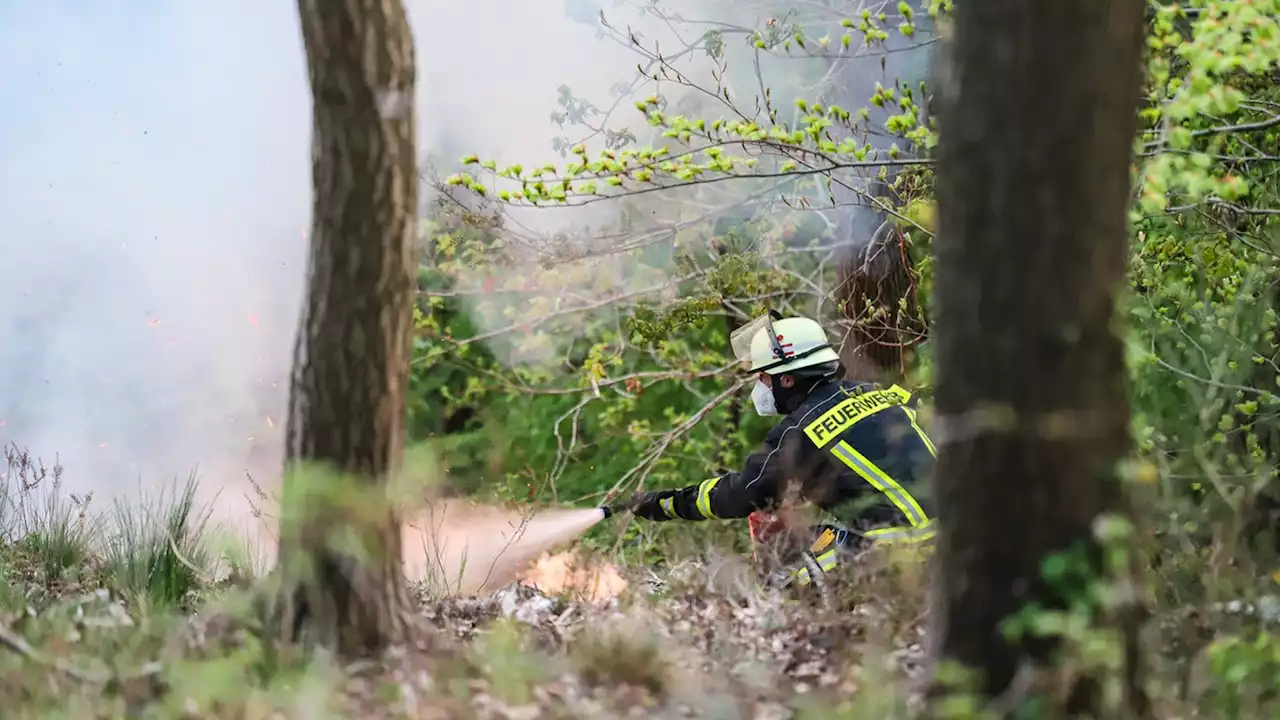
[620,507]
[650,505]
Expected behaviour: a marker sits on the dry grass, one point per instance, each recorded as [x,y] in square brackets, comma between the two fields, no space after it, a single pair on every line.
[622,655]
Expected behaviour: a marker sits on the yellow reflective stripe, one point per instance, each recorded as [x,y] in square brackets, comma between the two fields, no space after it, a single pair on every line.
[907,535]
[827,560]
[906,396]
[880,481]
[911,414]
[704,497]
[668,505]
[831,423]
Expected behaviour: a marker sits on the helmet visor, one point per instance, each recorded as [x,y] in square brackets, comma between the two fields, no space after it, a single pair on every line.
[741,339]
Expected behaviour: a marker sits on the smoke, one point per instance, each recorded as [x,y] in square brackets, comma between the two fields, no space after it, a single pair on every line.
[155,190]
[154,193]
[563,258]
[600,260]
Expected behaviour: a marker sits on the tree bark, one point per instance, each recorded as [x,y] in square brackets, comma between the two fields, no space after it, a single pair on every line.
[343,585]
[1037,125]
[876,296]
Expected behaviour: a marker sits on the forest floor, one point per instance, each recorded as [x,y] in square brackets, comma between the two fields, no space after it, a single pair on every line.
[133,612]
[703,645]
[122,617]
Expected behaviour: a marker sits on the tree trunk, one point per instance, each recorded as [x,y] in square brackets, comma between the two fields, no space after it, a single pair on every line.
[340,557]
[875,292]
[1037,125]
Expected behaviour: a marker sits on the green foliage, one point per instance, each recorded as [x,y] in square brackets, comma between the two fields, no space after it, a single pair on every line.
[59,534]
[505,655]
[1199,317]
[636,370]
[566,431]
[157,554]
[822,140]
[1206,100]
[1201,320]
[820,144]
[1088,586]
[52,532]
[1203,314]
[1242,675]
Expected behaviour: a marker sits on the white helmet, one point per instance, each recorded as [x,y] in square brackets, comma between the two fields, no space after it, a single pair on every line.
[776,345]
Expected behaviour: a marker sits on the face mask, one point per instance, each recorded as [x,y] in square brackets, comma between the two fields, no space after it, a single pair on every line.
[762,398]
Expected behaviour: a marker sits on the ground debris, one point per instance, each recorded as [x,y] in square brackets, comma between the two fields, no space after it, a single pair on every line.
[679,653]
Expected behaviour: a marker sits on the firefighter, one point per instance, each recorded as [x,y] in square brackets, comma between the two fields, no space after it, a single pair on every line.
[854,449]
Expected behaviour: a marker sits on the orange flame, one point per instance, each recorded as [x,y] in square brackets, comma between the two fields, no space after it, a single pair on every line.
[565,573]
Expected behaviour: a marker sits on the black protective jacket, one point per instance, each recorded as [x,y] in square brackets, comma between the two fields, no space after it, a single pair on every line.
[853,449]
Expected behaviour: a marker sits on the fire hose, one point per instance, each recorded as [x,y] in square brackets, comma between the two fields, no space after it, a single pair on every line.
[814,562]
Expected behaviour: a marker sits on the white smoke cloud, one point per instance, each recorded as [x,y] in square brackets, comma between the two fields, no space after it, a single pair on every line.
[154,192]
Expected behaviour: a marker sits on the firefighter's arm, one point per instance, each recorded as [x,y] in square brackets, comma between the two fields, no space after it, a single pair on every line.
[732,495]
[911,406]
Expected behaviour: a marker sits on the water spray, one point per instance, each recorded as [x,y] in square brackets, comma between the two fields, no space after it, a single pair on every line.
[457,548]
